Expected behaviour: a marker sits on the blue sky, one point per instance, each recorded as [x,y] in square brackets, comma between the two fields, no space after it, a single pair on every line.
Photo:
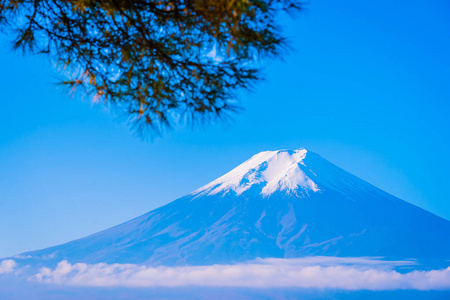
[367,87]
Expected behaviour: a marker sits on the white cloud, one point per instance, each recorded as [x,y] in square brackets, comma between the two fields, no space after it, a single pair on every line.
[20,256]
[7,266]
[315,272]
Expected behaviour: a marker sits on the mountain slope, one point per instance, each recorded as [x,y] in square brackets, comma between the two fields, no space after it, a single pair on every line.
[276,204]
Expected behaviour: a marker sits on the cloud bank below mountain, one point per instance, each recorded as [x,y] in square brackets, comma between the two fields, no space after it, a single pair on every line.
[310,272]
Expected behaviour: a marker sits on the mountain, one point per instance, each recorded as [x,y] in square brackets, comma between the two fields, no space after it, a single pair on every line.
[276,204]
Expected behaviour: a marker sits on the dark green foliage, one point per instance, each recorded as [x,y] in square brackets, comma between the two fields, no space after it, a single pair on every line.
[163,61]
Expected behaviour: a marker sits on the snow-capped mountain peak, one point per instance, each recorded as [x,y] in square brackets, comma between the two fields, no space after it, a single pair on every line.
[276,204]
[271,171]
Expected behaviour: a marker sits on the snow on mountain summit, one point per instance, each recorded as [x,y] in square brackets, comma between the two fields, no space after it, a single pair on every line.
[271,171]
